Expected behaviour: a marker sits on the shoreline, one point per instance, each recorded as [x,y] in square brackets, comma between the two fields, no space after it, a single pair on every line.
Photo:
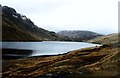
[21,53]
[88,61]
[26,53]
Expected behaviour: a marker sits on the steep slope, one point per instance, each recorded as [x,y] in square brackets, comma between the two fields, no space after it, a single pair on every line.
[77,35]
[17,27]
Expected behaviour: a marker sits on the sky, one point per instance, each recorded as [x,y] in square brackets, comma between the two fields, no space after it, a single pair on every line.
[100,16]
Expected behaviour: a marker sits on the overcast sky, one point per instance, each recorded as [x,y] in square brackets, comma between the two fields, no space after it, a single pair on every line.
[95,15]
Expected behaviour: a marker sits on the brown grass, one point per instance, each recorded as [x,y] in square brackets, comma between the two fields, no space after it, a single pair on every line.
[95,60]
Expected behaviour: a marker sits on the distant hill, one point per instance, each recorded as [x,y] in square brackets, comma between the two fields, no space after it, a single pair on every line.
[17,27]
[77,35]
[108,39]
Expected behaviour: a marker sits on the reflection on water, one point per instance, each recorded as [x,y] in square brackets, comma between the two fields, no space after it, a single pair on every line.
[23,49]
[15,53]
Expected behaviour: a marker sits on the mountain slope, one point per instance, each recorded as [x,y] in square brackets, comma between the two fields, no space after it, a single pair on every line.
[108,39]
[17,27]
[77,35]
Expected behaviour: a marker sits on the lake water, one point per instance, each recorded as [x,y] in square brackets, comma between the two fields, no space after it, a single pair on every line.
[45,47]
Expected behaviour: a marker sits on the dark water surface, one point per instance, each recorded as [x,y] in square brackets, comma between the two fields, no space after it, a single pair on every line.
[19,49]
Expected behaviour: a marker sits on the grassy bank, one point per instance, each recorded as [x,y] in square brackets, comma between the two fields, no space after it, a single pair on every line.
[93,62]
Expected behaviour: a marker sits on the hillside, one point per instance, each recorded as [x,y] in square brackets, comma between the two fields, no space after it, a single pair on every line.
[108,39]
[77,35]
[17,27]
[93,62]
